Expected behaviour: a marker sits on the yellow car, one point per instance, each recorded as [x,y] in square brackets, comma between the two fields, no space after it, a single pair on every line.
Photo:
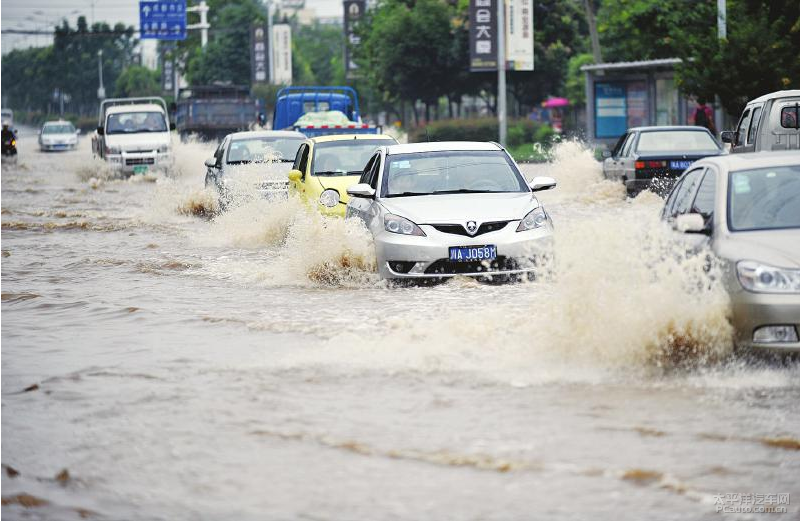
[326,166]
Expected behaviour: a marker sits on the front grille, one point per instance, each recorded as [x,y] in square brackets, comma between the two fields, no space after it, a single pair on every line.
[459,229]
[448,267]
[140,161]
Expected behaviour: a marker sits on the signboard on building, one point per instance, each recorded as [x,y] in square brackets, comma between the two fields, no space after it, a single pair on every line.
[610,109]
[282,54]
[519,35]
[167,72]
[162,19]
[483,35]
[259,60]
[353,11]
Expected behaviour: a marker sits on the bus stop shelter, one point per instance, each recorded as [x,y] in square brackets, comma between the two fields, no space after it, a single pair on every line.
[632,94]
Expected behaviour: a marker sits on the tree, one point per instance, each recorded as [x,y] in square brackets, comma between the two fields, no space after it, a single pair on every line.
[138,81]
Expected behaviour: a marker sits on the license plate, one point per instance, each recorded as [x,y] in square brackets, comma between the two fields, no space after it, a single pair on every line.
[680,165]
[473,253]
[140,169]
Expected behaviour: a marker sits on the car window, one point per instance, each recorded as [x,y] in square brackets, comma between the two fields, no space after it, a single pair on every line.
[667,212]
[704,200]
[665,141]
[367,174]
[790,116]
[618,147]
[626,149]
[753,130]
[683,199]
[298,157]
[219,152]
[741,130]
[373,177]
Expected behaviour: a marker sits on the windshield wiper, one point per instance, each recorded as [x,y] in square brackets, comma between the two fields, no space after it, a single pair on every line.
[332,172]
[408,194]
[463,191]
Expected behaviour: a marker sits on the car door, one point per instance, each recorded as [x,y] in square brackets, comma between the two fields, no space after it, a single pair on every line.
[362,207]
[611,165]
[626,165]
[740,136]
[749,141]
[682,203]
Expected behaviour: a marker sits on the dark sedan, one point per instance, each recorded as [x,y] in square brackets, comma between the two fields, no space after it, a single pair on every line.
[654,157]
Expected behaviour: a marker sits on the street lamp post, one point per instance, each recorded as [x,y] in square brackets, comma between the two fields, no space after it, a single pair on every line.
[101,90]
[501,71]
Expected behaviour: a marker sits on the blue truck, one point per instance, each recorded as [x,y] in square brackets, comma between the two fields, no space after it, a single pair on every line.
[294,102]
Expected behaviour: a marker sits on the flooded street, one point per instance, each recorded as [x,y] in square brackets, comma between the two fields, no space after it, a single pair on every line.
[252,366]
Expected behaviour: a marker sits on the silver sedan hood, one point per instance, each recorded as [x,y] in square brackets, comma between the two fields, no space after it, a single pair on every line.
[780,248]
[458,208]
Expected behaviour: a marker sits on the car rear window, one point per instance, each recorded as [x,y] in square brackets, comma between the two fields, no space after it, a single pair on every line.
[790,116]
[675,141]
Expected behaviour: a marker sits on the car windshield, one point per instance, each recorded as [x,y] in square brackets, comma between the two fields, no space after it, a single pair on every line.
[763,199]
[451,171]
[58,129]
[676,141]
[338,158]
[134,122]
[259,149]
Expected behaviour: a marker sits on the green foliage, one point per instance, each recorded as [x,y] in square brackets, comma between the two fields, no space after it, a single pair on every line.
[575,86]
[760,55]
[30,76]
[318,55]
[522,131]
[226,58]
[138,81]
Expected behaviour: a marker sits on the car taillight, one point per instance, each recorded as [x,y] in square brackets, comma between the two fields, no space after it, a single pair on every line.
[656,164]
[639,165]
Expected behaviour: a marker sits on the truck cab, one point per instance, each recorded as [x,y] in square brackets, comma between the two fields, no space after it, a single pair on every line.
[339,104]
[767,123]
[133,135]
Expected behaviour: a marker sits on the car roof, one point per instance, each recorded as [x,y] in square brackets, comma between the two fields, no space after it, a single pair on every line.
[266,133]
[345,137]
[442,146]
[753,160]
[777,94]
[145,107]
[667,127]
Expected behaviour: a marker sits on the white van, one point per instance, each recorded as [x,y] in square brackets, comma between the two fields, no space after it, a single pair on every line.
[770,122]
[133,135]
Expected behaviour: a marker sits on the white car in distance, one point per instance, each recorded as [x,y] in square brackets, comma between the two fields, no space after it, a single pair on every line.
[58,135]
[445,209]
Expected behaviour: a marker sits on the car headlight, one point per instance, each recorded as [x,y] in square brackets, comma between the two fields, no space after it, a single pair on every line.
[401,225]
[536,218]
[763,278]
[163,149]
[329,198]
[113,150]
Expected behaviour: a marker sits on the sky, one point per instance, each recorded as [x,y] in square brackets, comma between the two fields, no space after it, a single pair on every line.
[45,14]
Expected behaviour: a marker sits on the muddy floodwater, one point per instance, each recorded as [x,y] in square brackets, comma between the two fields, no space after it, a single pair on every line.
[160,363]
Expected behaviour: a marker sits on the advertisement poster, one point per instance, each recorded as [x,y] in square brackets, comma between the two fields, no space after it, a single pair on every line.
[282,54]
[610,109]
[258,54]
[483,35]
[519,35]
[353,11]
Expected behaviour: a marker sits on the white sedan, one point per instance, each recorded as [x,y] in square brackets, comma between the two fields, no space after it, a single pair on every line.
[451,208]
[58,135]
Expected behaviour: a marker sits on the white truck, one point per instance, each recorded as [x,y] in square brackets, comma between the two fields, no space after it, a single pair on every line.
[133,135]
[770,122]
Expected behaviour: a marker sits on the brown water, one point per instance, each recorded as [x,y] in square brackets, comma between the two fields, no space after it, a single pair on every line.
[251,366]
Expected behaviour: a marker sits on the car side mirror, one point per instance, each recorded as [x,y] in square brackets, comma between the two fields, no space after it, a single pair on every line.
[361,190]
[295,176]
[211,162]
[728,136]
[542,183]
[100,130]
[172,126]
[692,223]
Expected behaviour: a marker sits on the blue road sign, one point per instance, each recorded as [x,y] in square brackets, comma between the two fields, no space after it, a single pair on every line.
[162,19]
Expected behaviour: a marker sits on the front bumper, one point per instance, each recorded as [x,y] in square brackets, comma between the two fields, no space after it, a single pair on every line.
[52,147]
[130,162]
[754,310]
[414,257]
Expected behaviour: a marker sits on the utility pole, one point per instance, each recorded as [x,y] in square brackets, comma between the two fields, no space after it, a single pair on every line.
[101,90]
[270,66]
[501,70]
[589,8]
[204,26]
[722,34]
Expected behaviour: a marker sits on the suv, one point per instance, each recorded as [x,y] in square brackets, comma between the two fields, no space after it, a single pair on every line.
[770,122]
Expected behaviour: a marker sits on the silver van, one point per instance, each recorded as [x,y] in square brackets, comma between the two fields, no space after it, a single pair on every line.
[771,122]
